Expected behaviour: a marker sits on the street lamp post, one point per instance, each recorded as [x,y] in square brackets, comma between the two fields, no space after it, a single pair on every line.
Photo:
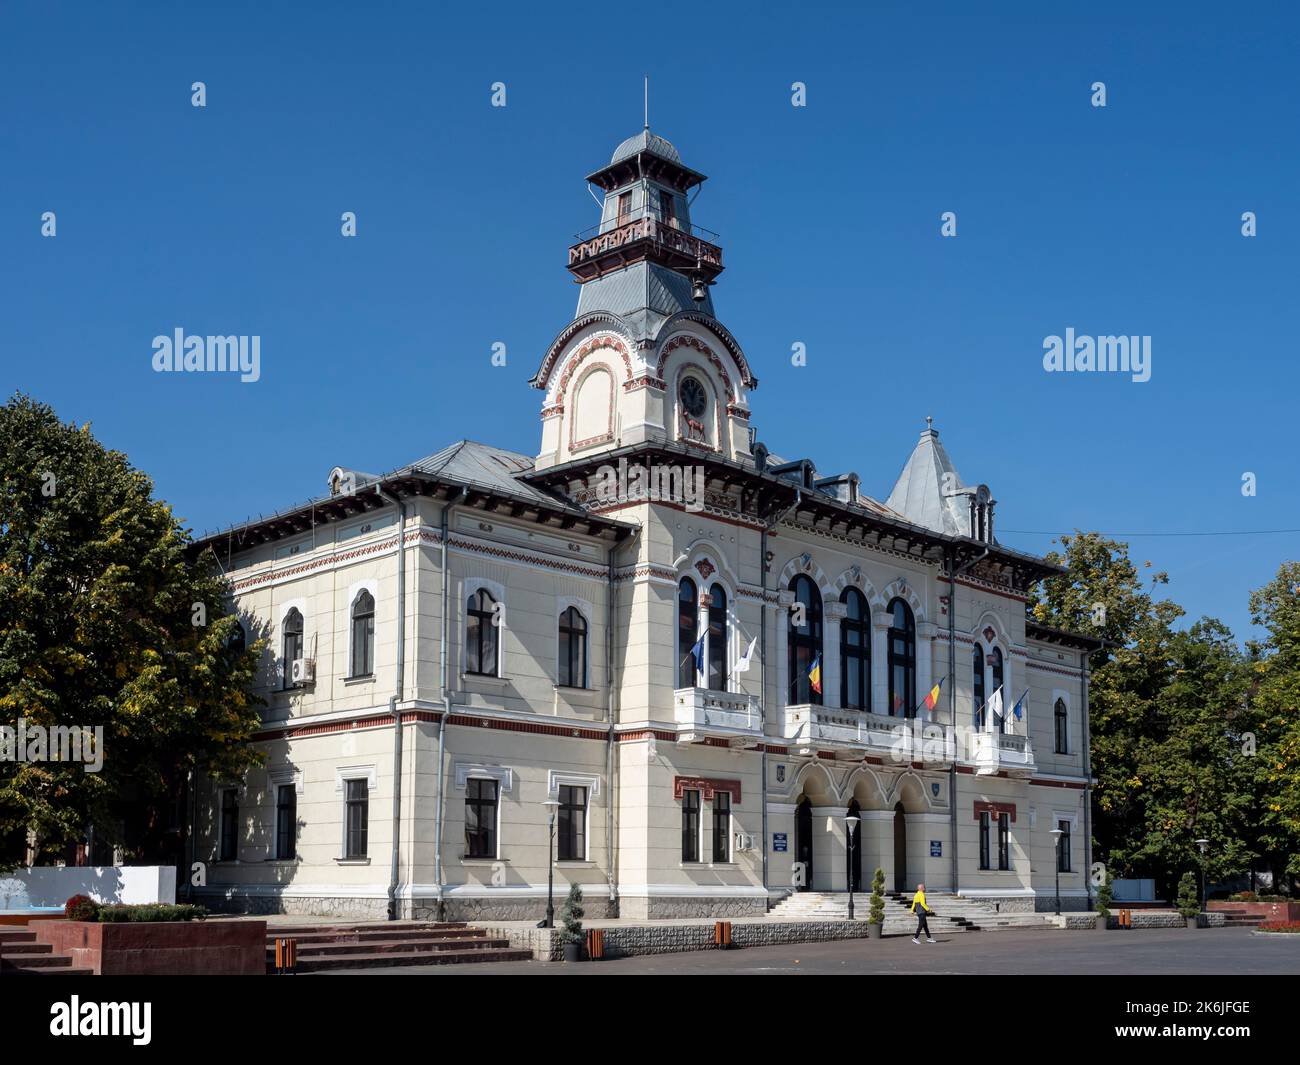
[1056,840]
[851,825]
[1204,845]
[549,920]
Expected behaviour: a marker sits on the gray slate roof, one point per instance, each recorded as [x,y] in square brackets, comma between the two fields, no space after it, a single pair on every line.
[648,142]
[919,493]
[483,466]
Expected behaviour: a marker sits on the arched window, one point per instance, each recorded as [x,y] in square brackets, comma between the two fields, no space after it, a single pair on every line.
[977,685]
[687,607]
[291,643]
[996,685]
[902,660]
[717,639]
[573,649]
[481,650]
[855,652]
[363,635]
[805,643]
[1062,727]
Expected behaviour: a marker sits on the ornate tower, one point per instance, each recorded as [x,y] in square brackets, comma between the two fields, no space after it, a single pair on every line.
[644,358]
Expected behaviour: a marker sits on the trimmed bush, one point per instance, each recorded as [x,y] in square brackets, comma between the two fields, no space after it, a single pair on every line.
[877,914]
[150,911]
[81,908]
[1105,894]
[571,916]
[1189,905]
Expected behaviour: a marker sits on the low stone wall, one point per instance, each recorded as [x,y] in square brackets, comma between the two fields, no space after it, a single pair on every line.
[1165,919]
[669,938]
[159,948]
[347,909]
[483,909]
[1270,911]
[1075,922]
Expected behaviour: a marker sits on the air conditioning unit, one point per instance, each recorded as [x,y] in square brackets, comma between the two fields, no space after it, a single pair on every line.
[303,671]
[745,841]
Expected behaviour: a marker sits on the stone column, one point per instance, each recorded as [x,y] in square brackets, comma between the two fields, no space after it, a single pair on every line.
[832,615]
[880,622]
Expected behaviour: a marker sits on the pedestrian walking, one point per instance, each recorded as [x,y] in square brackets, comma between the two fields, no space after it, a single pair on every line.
[921,909]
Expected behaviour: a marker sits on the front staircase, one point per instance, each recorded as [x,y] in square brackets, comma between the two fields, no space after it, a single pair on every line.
[389,943]
[951,913]
[21,955]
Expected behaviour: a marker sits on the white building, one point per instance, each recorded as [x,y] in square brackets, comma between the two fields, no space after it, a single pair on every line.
[534,629]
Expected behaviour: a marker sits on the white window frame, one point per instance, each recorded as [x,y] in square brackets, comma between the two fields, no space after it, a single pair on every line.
[471,586]
[370,775]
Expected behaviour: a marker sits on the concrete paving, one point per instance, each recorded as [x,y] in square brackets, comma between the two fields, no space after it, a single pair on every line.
[1228,951]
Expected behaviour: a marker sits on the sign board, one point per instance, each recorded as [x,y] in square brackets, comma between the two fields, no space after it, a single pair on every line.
[778,841]
[936,848]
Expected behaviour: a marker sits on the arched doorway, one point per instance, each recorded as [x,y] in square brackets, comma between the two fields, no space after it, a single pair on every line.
[900,848]
[803,841]
[855,864]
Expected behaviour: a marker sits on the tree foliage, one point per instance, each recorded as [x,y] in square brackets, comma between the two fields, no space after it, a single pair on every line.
[106,621]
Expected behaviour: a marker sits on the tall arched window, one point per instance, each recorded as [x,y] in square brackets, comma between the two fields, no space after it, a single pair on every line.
[902,660]
[977,685]
[855,652]
[687,621]
[996,684]
[363,635]
[481,651]
[1061,720]
[573,649]
[717,639]
[291,643]
[805,643]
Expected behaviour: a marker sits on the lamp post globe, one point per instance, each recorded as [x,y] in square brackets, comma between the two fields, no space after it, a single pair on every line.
[551,805]
[1056,842]
[850,826]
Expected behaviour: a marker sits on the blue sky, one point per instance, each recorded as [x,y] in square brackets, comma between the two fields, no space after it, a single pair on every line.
[376,350]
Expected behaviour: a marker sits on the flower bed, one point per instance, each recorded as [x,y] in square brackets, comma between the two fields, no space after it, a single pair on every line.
[1279,926]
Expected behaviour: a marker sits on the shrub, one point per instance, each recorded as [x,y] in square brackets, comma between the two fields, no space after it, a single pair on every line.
[149,911]
[81,908]
[571,916]
[1105,895]
[877,913]
[1188,903]
[1242,896]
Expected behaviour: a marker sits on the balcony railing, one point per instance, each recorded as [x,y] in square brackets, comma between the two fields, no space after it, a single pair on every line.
[854,734]
[702,714]
[994,752]
[643,225]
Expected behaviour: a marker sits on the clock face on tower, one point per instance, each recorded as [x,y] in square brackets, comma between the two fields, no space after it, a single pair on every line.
[692,396]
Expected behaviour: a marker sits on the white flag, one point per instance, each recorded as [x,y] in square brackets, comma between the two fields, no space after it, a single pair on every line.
[995,704]
[742,666]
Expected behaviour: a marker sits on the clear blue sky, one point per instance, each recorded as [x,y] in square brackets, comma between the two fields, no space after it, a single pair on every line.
[376,350]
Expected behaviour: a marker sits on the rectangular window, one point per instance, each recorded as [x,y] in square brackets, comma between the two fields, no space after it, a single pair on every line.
[624,208]
[690,826]
[722,826]
[1063,848]
[480,818]
[984,840]
[572,831]
[229,826]
[357,819]
[667,210]
[286,822]
[1004,841]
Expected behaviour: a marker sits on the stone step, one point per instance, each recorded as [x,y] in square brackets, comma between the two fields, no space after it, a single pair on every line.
[394,946]
[396,958]
[34,961]
[11,949]
[374,934]
[8,936]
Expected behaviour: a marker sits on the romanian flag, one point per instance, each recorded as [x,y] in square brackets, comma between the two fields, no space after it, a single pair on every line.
[932,697]
[815,675]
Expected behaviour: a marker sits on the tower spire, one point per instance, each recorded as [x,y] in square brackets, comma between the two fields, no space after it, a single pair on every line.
[647,101]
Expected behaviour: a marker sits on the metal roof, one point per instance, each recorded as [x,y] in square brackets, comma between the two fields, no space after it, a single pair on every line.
[645,141]
[930,491]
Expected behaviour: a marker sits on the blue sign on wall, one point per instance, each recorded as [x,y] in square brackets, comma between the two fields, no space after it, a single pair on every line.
[778,841]
[936,848]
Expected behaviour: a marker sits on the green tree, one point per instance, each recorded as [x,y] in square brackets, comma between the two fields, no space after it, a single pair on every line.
[105,620]
[1275,703]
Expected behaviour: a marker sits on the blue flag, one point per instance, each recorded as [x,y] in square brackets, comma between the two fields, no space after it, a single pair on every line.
[1020,704]
[697,652]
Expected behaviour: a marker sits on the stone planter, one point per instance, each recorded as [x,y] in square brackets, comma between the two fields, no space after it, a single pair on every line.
[573,952]
[1192,922]
[873,931]
[1103,924]
[159,948]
